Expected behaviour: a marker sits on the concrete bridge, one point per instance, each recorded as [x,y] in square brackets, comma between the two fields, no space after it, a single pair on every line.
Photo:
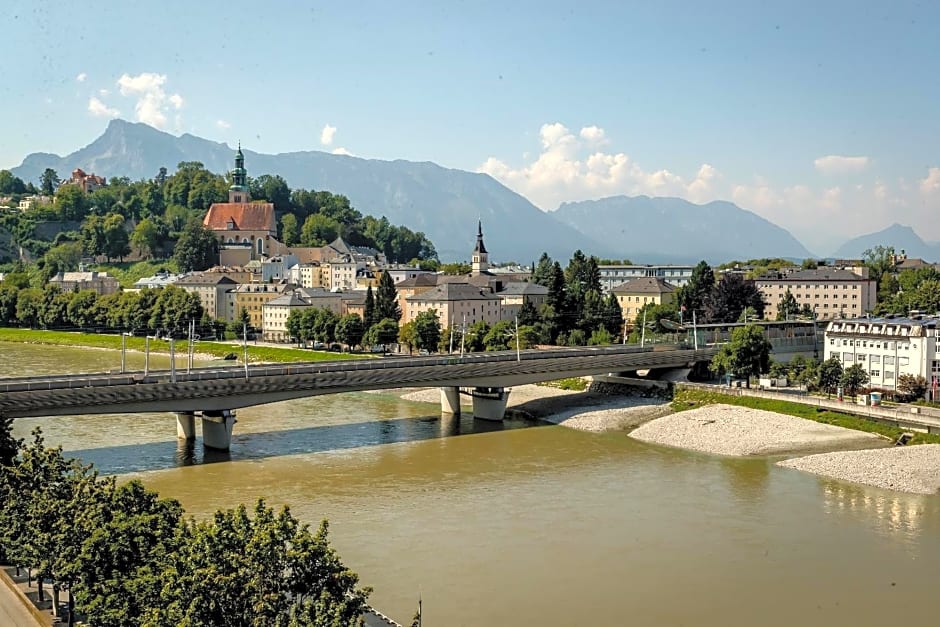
[215,393]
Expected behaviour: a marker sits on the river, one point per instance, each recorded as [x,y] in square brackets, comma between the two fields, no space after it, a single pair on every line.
[529,524]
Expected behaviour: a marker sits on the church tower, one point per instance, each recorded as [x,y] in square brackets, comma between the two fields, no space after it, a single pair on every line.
[238,191]
[480,260]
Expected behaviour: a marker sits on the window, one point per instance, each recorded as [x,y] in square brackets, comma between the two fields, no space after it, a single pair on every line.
[846,356]
[889,375]
[889,360]
[876,373]
[876,359]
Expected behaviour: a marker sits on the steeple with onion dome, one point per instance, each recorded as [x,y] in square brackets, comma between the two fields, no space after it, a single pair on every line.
[238,191]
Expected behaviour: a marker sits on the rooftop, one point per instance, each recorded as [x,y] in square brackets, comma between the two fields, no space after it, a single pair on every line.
[644,285]
[453,292]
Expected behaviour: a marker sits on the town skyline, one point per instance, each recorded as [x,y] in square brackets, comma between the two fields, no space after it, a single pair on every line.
[807,116]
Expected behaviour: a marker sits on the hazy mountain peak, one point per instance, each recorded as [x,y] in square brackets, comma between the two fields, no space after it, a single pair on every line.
[900,236]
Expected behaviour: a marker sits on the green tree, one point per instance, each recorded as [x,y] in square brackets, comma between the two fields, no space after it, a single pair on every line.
[745,356]
[9,446]
[730,297]
[272,188]
[386,299]
[499,337]
[368,310]
[542,272]
[71,203]
[408,335]
[912,387]
[830,375]
[83,309]
[319,230]
[853,378]
[173,310]
[197,248]
[879,260]
[788,307]
[129,534]
[383,332]
[48,182]
[613,315]
[528,314]
[63,258]
[116,240]
[692,296]
[253,569]
[145,237]
[290,234]
[600,337]
[427,330]
[350,329]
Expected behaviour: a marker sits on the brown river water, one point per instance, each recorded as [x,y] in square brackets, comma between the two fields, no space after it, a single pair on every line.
[524,523]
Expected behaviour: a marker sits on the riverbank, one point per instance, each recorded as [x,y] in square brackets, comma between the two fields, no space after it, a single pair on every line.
[583,410]
[205,350]
[914,469]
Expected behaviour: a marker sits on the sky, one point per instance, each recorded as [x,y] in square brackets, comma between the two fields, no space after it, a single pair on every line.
[819,116]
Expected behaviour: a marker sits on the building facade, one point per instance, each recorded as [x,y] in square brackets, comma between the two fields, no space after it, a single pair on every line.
[99,282]
[887,348]
[634,294]
[830,292]
[614,275]
[251,297]
[211,289]
[455,304]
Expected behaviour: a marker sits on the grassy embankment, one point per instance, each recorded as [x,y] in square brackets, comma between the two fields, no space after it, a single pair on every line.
[686,398]
[215,349]
[574,383]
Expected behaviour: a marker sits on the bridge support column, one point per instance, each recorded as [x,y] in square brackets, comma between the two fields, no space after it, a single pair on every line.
[217,428]
[450,400]
[186,425]
[489,403]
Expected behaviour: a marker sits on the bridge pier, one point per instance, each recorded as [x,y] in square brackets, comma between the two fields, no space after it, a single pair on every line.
[217,428]
[450,401]
[186,425]
[489,403]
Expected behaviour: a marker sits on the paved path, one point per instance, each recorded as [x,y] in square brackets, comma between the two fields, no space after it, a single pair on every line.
[12,611]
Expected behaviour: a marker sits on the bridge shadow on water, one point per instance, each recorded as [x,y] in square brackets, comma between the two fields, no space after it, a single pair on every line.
[116,460]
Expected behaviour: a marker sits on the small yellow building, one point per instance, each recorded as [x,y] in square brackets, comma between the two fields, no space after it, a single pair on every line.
[632,295]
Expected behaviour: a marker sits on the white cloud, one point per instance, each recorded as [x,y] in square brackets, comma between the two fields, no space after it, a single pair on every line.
[572,167]
[326,135]
[931,184]
[81,77]
[153,103]
[104,92]
[100,109]
[342,151]
[593,134]
[222,124]
[837,164]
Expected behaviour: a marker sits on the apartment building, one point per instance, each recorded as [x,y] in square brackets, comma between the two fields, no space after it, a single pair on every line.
[99,282]
[614,275]
[276,311]
[829,291]
[211,288]
[515,293]
[887,348]
[455,303]
[251,297]
[634,294]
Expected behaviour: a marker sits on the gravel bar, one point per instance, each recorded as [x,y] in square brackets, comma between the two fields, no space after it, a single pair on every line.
[914,469]
[732,430]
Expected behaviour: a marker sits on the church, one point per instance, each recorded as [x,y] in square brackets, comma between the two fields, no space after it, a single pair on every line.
[246,229]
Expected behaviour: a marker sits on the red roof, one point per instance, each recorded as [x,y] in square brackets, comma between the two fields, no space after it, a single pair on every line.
[243,216]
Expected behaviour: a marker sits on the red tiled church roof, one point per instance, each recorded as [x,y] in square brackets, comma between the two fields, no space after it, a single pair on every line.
[247,216]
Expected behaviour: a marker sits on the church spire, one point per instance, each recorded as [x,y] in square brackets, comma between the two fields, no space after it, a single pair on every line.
[238,191]
[480,258]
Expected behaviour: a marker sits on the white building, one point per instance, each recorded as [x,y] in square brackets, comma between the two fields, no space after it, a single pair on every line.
[614,275]
[887,348]
[274,313]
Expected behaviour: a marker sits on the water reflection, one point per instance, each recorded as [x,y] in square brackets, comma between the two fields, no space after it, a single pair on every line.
[747,478]
[890,513]
[161,455]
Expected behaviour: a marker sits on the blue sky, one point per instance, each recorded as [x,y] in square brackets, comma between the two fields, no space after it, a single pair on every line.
[820,116]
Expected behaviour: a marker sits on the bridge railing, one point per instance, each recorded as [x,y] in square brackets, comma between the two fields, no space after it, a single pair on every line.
[50,382]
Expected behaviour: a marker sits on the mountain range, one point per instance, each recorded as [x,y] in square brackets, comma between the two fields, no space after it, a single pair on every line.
[446,203]
[902,238]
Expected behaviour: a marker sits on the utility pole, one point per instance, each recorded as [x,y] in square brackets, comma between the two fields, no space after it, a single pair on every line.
[245,345]
[518,352]
[123,352]
[172,359]
[189,352]
[643,330]
[146,355]
[463,333]
[694,332]
[450,351]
